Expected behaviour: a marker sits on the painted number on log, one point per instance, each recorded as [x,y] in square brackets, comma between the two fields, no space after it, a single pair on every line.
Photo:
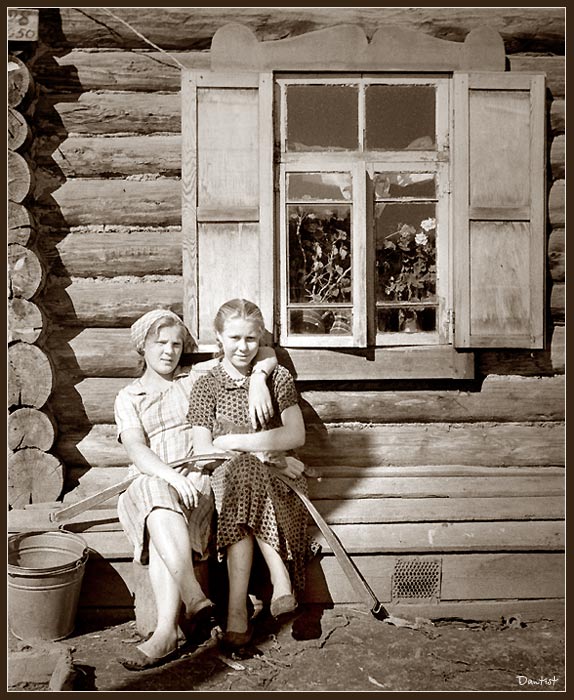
[22,25]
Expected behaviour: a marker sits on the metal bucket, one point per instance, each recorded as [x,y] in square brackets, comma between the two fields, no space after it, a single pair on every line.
[45,572]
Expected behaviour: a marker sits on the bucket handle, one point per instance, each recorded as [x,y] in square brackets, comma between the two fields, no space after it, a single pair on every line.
[84,558]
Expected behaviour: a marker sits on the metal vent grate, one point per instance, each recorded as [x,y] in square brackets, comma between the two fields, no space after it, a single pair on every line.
[416,579]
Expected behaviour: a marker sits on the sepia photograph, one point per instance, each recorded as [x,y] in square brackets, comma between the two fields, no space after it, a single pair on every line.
[286,349]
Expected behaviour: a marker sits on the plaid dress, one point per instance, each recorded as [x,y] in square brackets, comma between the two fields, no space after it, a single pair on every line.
[162,417]
[248,498]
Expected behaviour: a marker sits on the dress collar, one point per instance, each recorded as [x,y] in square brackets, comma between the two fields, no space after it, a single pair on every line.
[137,388]
[228,381]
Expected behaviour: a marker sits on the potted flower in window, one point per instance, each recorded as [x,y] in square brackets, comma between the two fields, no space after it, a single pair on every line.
[320,266]
[406,265]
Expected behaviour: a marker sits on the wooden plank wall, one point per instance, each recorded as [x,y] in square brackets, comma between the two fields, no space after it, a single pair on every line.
[473,472]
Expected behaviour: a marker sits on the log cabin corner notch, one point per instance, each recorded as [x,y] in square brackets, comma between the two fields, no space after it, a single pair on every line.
[410,217]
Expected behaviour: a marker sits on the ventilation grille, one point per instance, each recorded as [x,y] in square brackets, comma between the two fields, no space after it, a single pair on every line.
[416,579]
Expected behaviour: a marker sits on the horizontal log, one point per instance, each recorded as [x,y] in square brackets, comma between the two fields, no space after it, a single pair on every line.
[558,302]
[496,580]
[33,476]
[30,375]
[110,304]
[21,225]
[25,272]
[13,394]
[526,362]
[28,427]
[125,202]
[344,511]
[25,321]
[108,352]
[90,357]
[158,202]
[391,510]
[557,116]
[105,113]
[19,177]
[557,254]
[490,444]
[504,444]
[402,538]
[128,250]
[500,399]
[19,132]
[90,351]
[394,484]
[144,71]
[20,82]
[444,487]
[497,400]
[465,577]
[558,157]
[553,66]
[100,113]
[523,29]
[112,156]
[449,537]
[556,205]
[113,253]
[359,471]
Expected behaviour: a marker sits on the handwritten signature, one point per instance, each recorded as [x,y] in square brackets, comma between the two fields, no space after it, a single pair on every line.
[525,680]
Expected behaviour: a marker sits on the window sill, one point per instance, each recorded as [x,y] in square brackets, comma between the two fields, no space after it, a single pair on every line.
[428,362]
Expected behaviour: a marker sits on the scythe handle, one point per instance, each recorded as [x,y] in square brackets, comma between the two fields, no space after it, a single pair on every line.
[97,498]
[350,570]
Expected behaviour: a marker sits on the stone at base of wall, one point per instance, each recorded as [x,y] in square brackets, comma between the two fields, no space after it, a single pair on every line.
[49,662]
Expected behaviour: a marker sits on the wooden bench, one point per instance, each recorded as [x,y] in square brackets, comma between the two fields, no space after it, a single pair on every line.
[478,542]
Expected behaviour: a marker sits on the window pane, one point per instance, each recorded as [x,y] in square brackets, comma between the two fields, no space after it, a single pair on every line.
[322,117]
[395,185]
[320,321]
[400,117]
[319,186]
[406,320]
[319,254]
[405,253]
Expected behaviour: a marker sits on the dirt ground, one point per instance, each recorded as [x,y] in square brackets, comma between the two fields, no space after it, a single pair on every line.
[339,649]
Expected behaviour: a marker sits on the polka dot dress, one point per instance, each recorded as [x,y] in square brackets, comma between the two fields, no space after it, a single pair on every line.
[248,498]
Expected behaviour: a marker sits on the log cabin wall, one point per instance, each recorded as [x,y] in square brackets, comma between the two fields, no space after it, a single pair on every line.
[487,454]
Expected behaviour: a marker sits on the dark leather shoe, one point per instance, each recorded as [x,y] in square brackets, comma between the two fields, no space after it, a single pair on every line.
[232,641]
[197,622]
[140,661]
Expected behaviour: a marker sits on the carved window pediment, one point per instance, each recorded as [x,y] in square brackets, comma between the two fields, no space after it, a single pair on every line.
[347,48]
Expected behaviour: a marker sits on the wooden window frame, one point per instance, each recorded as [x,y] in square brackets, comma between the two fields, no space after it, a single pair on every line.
[239,60]
[361,164]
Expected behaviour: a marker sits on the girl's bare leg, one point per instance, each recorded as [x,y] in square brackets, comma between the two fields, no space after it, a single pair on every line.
[168,534]
[168,604]
[239,561]
[277,570]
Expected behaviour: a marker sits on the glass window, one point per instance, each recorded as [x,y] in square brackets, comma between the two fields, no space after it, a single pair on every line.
[361,249]
[400,117]
[322,117]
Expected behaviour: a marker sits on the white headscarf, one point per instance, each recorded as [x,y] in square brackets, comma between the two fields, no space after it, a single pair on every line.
[140,329]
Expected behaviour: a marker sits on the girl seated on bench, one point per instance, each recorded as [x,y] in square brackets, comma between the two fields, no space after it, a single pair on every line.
[254,507]
[167,511]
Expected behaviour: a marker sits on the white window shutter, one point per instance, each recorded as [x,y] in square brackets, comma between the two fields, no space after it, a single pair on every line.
[227,190]
[499,210]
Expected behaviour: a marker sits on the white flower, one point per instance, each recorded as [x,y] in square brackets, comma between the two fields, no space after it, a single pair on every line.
[428,224]
[421,238]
